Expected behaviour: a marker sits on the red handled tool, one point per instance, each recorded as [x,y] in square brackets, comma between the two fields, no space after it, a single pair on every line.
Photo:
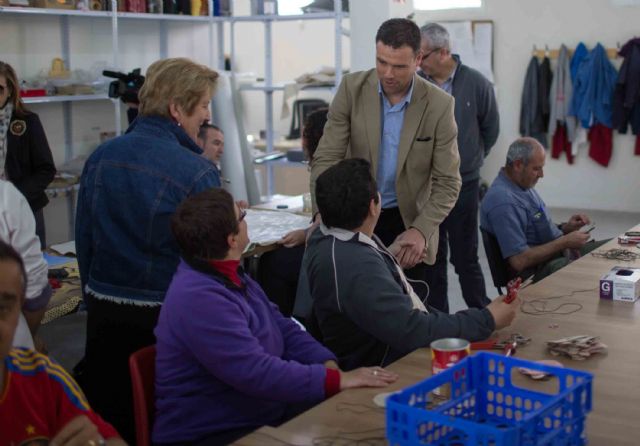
[510,348]
[512,290]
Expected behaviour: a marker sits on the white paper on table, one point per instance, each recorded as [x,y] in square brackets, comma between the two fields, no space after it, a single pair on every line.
[266,227]
[65,248]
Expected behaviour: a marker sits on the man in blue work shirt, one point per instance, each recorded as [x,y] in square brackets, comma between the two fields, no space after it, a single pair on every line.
[478,122]
[516,215]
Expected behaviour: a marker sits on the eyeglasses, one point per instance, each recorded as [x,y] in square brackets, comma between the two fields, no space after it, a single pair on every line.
[243,214]
[426,56]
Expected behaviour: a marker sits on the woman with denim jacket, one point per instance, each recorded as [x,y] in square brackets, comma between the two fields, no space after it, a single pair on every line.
[130,188]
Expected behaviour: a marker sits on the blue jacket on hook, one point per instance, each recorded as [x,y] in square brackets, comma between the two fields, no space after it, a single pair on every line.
[593,89]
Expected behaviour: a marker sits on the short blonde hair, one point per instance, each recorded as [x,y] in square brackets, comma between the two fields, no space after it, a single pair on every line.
[177,80]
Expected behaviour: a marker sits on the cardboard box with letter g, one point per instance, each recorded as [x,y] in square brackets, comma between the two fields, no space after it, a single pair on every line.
[621,283]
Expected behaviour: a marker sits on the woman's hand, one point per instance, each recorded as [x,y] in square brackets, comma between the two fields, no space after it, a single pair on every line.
[367,377]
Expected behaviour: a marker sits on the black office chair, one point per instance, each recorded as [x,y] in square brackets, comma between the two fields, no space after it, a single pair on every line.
[498,265]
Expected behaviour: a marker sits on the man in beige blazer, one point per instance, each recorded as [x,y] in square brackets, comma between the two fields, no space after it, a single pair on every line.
[405,127]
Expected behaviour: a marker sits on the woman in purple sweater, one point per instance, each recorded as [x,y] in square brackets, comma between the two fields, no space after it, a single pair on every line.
[227,360]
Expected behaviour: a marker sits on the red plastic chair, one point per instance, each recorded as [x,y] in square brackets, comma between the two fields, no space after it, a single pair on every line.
[142,365]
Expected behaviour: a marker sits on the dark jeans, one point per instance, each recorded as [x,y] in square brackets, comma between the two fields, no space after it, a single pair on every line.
[114,332]
[40,231]
[278,273]
[390,225]
[560,261]
[459,232]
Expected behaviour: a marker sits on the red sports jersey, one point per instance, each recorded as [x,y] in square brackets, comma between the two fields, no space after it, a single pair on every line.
[39,399]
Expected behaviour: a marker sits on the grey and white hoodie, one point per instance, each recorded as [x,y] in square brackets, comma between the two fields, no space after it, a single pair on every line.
[366,310]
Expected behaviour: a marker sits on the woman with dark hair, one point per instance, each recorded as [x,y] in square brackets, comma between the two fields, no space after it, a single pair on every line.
[130,187]
[25,156]
[312,132]
[227,360]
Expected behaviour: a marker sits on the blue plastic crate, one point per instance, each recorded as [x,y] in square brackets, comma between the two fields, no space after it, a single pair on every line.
[483,407]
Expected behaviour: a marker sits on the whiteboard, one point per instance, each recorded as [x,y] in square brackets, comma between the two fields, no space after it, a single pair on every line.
[473,42]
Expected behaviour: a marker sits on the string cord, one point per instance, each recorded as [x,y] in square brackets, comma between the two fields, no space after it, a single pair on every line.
[538,306]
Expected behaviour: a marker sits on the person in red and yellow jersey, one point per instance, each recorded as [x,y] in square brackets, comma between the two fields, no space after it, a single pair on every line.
[40,404]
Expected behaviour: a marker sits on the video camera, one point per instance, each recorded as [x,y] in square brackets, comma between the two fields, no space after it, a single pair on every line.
[126,86]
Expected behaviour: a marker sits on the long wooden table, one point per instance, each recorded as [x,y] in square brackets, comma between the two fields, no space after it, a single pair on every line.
[615,420]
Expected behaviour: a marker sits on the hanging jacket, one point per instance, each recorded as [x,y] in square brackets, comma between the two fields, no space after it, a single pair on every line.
[578,56]
[593,89]
[560,96]
[545,77]
[626,97]
[531,122]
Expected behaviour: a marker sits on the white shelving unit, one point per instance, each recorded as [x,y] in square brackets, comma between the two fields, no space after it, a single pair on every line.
[216,38]
[68,98]
[66,101]
[268,87]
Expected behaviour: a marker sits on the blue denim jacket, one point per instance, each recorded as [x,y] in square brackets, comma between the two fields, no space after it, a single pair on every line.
[130,188]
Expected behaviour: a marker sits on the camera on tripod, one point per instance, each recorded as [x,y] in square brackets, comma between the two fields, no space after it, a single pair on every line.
[126,86]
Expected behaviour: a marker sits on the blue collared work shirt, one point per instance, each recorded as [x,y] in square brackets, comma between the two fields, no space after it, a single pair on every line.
[392,119]
[517,217]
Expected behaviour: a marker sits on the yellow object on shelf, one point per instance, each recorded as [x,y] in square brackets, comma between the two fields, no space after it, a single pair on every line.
[199,7]
[55,4]
[58,70]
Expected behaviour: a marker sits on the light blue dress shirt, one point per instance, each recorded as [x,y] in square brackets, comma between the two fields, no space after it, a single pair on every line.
[392,119]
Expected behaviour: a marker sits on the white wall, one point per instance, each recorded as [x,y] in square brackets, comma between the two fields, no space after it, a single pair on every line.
[366,18]
[299,47]
[518,25]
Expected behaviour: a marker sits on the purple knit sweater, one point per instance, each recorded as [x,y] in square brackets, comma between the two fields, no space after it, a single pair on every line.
[227,358]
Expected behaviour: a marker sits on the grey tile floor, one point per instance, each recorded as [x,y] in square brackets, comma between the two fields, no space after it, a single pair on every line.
[65,336]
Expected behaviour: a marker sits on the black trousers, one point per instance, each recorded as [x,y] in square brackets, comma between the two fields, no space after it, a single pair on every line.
[278,273]
[459,233]
[114,332]
[390,226]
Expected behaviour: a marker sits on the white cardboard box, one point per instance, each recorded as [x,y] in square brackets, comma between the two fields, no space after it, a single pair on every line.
[621,283]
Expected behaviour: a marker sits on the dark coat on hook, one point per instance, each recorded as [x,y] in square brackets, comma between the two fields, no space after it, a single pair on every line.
[626,97]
